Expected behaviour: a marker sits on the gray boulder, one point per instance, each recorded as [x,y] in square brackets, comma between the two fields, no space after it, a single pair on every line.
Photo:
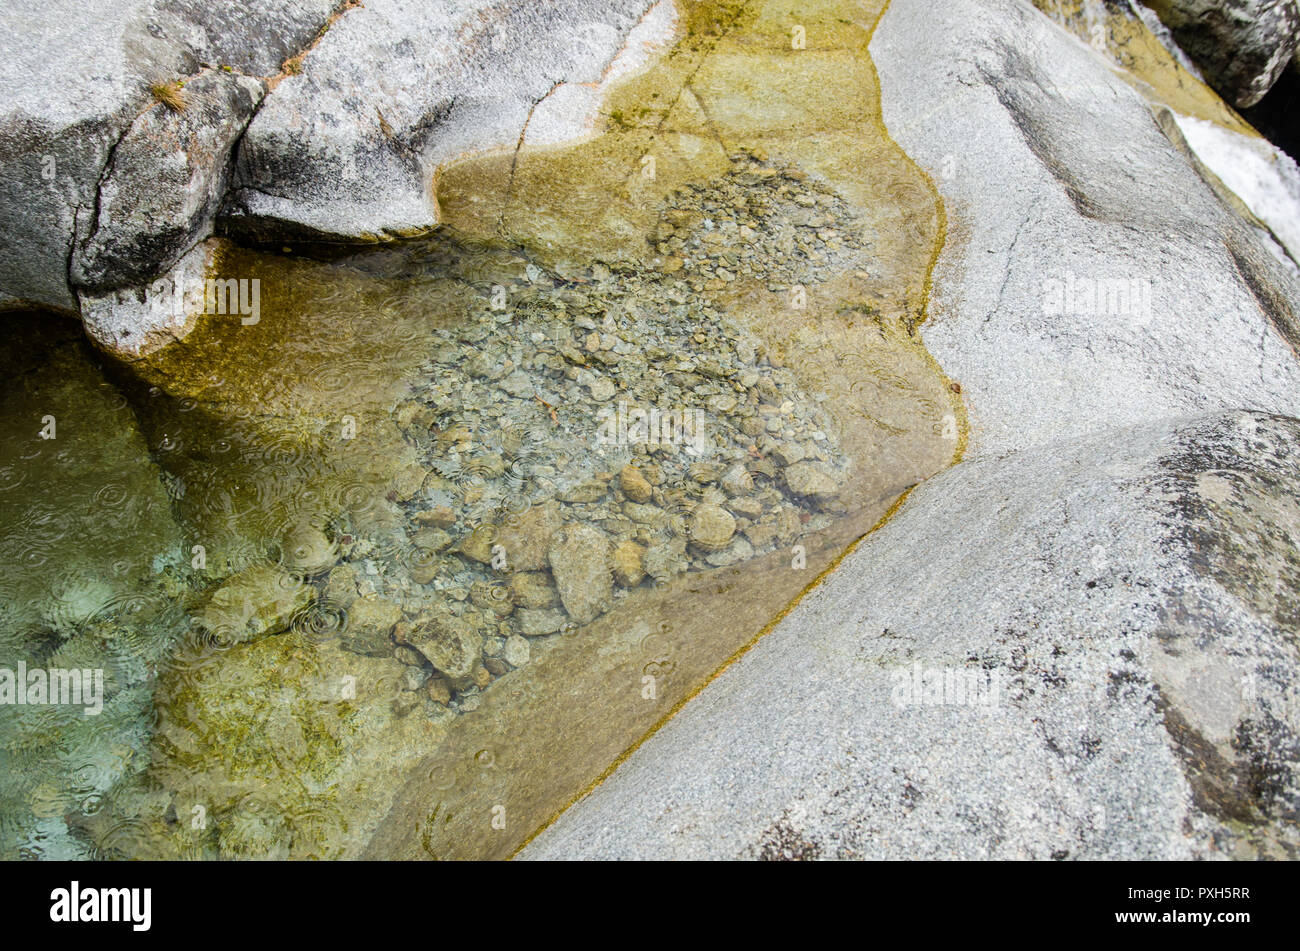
[132,322]
[99,181]
[161,187]
[1242,46]
[347,148]
[1092,277]
[105,187]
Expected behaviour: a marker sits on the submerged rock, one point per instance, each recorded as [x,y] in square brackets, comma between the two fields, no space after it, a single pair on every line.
[94,575]
[479,543]
[449,643]
[712,527]
[255,603]
[285,745]
[517,651]
[431,540]
[580,561]
[538,622]
[629,568]
[533,589]
[807,480]
[737,481]
[370,622]
[252,833]
[663,560]
[309,551]
[526,539]
[634,485]
[494,597]
[341,586]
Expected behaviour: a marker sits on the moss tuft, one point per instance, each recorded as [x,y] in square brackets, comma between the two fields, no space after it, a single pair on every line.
[171,95]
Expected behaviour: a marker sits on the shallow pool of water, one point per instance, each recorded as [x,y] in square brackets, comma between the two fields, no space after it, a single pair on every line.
[403,567]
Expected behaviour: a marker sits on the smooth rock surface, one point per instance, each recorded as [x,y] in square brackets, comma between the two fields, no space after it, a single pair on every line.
[1056,178]
[1258,172]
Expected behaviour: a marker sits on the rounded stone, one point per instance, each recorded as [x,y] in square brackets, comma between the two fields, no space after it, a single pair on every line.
[634,485]
[308,551]
[711,527]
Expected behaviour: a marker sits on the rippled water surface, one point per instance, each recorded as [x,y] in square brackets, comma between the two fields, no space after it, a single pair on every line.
[403,567]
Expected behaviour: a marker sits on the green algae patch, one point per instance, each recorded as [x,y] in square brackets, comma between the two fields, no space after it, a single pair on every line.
[92,578]
[288,748]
